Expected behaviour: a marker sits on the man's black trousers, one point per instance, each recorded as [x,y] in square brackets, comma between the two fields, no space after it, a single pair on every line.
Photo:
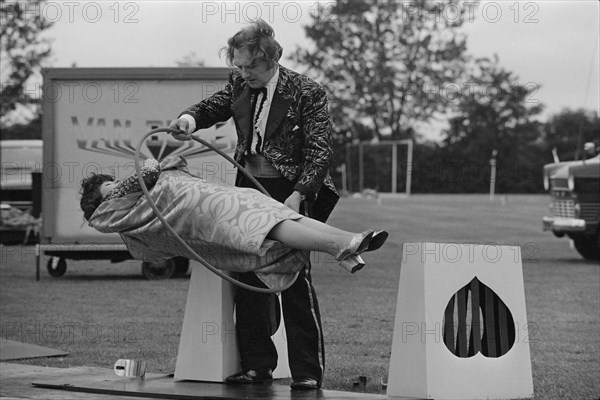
[257,314]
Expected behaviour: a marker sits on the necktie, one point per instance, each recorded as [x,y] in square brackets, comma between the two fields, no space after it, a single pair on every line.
[255,112]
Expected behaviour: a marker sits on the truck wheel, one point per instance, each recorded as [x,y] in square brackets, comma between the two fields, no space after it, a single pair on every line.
[588,246]
[182,265]
[160,270]
[56,267]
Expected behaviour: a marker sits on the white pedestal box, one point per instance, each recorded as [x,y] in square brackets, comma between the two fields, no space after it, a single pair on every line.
[439,350]
[208,346]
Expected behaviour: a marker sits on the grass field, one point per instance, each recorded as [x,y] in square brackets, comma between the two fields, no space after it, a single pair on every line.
[100,312]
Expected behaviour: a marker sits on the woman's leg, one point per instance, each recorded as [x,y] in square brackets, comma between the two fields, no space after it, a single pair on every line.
[321,226]
[309,234]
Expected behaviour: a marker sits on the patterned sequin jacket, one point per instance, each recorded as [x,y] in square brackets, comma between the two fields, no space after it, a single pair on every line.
[298,133]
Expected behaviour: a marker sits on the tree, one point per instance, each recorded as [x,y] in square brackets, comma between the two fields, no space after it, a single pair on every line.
[496,113]
[384,62]
[190,60]
[563,131]
[22,54]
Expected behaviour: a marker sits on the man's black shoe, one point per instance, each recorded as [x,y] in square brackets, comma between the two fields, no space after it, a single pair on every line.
[263,375]
[304,384]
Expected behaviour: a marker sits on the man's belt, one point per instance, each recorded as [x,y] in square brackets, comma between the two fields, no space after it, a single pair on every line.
[260,167]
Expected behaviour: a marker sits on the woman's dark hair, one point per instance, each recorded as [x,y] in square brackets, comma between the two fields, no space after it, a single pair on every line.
[90,193]
[259,39]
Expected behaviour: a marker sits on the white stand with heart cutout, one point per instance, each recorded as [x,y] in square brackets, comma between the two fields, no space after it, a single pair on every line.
[208,345]
[421,364]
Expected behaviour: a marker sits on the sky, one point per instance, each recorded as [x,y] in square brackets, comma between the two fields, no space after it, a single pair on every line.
[549,45]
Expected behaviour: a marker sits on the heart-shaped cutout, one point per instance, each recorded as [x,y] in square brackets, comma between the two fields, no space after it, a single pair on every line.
[477,320]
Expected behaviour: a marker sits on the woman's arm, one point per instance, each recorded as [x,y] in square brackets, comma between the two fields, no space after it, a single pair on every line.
[150,171]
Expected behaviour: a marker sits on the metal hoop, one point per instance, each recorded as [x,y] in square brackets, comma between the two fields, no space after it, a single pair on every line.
[176,235]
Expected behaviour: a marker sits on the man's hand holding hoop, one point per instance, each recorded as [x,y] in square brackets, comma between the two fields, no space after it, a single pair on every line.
[182,125]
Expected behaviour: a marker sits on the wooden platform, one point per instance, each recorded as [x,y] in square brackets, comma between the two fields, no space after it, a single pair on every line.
[16,379]
[11,350]
[34,382]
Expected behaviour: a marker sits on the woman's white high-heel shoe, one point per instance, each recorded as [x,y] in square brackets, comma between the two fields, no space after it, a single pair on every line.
[357,245]
[377,240]
[369,240]
[352,263]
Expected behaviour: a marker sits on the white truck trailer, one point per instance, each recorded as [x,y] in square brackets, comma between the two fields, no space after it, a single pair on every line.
[93,119]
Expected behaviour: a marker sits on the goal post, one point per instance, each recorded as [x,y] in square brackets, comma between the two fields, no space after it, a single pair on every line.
[366,166]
